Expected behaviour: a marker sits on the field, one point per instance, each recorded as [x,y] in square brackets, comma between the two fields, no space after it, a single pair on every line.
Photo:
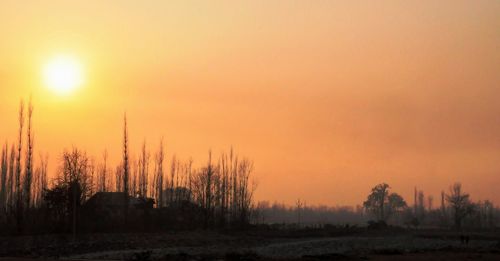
[258,245]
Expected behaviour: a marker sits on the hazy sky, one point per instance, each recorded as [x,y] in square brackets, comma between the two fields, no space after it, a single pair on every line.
[327,97]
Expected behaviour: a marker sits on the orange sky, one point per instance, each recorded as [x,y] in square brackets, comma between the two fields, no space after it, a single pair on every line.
[327,97]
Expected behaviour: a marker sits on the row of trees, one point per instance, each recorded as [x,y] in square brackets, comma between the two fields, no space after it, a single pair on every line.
[383,206]
[303,215]
[21,185]
[221,188]
[457,209]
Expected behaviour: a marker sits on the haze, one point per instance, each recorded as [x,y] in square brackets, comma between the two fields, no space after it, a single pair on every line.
[327,97]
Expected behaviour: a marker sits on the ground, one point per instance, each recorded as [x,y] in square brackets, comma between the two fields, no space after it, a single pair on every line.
[260,245]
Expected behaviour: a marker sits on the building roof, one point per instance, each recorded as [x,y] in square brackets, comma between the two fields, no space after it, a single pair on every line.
[112,199]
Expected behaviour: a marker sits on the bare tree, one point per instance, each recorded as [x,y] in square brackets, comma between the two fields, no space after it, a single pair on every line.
[299,204]
[443,207]
[245,190]
[11,190]
[19,202]
[3,177]
[126,166]
[460,204]
[40,184]
[415,203]
[159,176]
[171,183]
[75,179]
[489,213]
[421,206]
[44,166]
[224,191]
[92,176]
[430,202]
[28,175]
[144,171]
[119,178]
[135,178]
[102,180]
[208,174]
[224,172]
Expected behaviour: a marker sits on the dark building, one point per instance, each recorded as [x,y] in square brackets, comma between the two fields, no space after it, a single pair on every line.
[117,201]
[108,211]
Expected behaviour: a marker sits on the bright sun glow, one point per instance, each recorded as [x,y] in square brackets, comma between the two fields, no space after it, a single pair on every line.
[63,74]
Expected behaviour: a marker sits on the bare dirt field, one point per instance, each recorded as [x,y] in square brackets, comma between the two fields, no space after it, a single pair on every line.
[205,245]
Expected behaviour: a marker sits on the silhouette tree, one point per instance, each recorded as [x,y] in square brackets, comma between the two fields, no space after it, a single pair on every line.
[420,215]
[224,188]
[299,204]
[119,178]
[173,182]
[377,199]
[443,212]
[102,180]
[91,170]
[41,180]
[19,193]
[28,175]
[221,192]
[244,190]
[489,213]
[3,177]
[144,171]
[207,177]
[126,166]
[395,204]
[76,181]
[71,189]
[382,204]
[11,192]
[134,178]
[430,203]
[159,176]
[459,203]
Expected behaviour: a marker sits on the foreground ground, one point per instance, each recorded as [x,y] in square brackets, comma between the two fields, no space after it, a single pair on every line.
[256,245]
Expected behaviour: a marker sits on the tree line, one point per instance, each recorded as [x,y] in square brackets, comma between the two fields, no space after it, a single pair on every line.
[383,207]
[218,194]
[456,209]
[221,189]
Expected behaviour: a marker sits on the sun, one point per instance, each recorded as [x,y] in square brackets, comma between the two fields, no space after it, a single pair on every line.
[63,74]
